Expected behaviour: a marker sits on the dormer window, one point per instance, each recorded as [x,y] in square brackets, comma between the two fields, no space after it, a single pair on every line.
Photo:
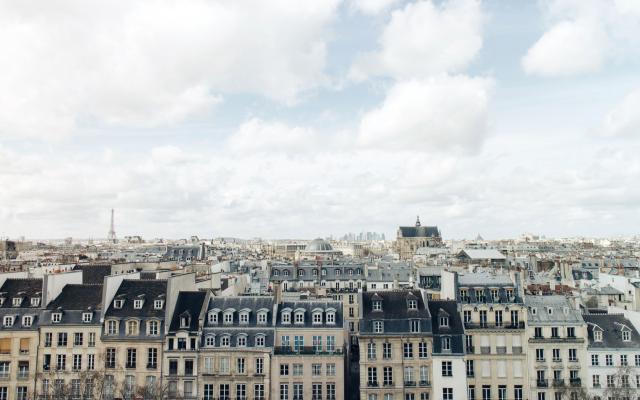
[184,321]
[317,318]
[597,335]
[87,317]
[534,311]
[7,321]
[444,322]
[228,317]
[213,317]
[377,305]
[132,328]
[285,272]
[286,317]
[112,327]
[413,304]
[158,304]
[242,341]
[276,272]
[378,327]
[210,341]
[549,310]
[137,304]
[494,294]
[260,341]
[262,317]
[27,321]
[2,299]
[225,341]
[118,303]
[337,271]
[626,335]
[299,317]
[244,317]
[446,343]
[17,301]
[331,317]
[35,301]
[56,317]
[324,271]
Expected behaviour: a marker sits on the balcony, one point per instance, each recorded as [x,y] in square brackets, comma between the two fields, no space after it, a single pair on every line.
[425,383]
[373,384]
[306,350]
[558,382]
[542,383]
[152,366]
[575,382]
[501,350]
[388,384]
[409,383]
[516,350]
[486,325]
[471,349]
[485,350]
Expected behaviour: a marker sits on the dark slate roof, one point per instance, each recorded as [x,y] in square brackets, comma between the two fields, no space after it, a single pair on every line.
[93,273]
[190,303]
[25,288]
[131,290]
[78,297]
[308,306]
[612,325]
[419,231]
[455,330]
[216,336]
[253,303]
[395,312]
[18,313]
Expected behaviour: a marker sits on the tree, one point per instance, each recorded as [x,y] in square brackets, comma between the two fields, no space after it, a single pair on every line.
[622,387]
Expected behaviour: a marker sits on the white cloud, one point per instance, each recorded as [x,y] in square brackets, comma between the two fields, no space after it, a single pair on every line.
[583,36]
[256,135]
[373,7]
[424,39]
[624,118]
[445,113]
[151,62]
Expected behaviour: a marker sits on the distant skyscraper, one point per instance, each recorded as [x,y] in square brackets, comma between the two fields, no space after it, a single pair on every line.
[112,230]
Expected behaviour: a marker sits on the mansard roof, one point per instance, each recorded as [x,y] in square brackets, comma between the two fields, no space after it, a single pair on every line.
[24,288]
[131,290]
[612,326]
[419,231]
[191,304]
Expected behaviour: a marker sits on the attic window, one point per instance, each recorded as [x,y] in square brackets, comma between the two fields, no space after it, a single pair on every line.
[157,304]
[137,304]
[534,311]
[317,318]
[377,305]
[118,303]
[300,317]
[597,336]
[213,317]
[331,317]
[444,322]
[626,335]
[17,301]
[56,317]
[87,317]
[7,321]
[244,317]
[184,321]
[262,317]
[228,317]
[27,320]
[35,301]
[286,317]
[549,310]
[413,304]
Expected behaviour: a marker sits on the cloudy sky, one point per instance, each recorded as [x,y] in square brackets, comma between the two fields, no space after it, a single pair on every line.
[293,118]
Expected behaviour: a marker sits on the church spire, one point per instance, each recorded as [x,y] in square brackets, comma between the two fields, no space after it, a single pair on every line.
[418,220]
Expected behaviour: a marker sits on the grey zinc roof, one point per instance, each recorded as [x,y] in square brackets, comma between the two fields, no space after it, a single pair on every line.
[309,306]
[484,279]
[455,330]
[237,303]
[611,325]
[482,254]
[395,312]
[562,310]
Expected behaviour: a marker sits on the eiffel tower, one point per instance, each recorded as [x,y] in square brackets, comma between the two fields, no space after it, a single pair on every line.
[111,237]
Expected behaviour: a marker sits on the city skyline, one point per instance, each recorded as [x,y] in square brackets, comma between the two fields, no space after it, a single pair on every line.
[298,119]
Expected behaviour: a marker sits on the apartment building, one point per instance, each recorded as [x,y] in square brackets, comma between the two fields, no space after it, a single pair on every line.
[494,318]
[236,345]
[133,337]
[557,347]
[613,357]
[70,350]
[180,360]
[20,306]
[448,356]
[395,339]
[309,353]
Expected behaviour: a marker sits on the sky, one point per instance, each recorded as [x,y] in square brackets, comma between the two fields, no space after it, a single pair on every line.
[303,119]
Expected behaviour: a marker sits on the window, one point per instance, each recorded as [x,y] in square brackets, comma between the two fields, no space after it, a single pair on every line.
[414,325]
[154,328]
[262,318]
[92,339]
[470,368]
[444,322]
[316,391]
[228,317]
[91,362]
[299,318]
[157,304]
[422,350]
[298,342]
[225,341]
[224,365]
[573,355]
[331,318]
[244,317]
[597,335]
[637,360]
[377,305]
[331,369]
[27,320]
[132,328]
[608,359]
[48,338]
[78,339]
[413,304]
[517,392]
[4,369]
[224,392]
[502,392]
[260,341]
[110,358]
[387,376]
[626,335]
[242,341]
[284,391]
[77,362]
[596,381]
[87,317]
[386,350]
[286,318]
[571,332]
[137,304]
[284,369]
[118,303]
[408,375]
[152,358]
[378,327]
[623,360]
[446,344]
[317,318]
[371,351]
[258,391]
[539,354]
[61,362]
[112,327]
[331,344]
[62,339]
[467,316]
[259,366]
[407,350]
[555,354]
[486,392]
[372,376]
[331,391]
[240,365]
[21,393]
[447,369]
[537,332]
[56,317]
[131,358]
[447,393]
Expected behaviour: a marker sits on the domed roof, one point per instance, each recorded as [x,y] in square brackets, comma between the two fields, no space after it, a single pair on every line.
[318,245]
